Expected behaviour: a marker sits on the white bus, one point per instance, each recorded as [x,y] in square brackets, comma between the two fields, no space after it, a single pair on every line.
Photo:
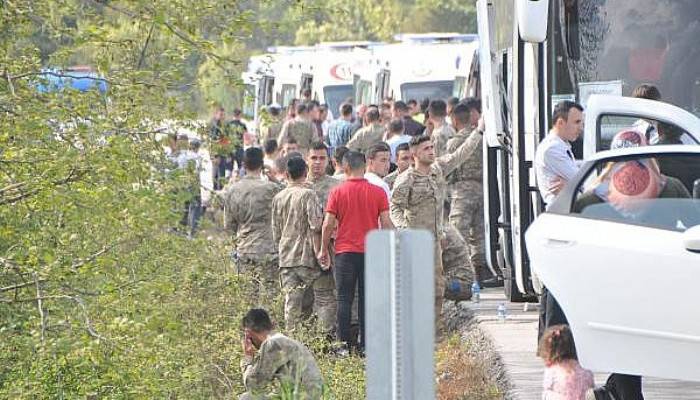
[419,66]
[333,64]
[535,54]
[424,65]
[293,72]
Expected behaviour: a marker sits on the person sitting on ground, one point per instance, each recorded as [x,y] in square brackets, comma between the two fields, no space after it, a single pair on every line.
[271,357]
[564,378]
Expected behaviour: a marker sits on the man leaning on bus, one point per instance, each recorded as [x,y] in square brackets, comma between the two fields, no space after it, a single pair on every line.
[554,166]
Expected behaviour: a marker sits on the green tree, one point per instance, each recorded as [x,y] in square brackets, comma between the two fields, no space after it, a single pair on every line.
[100,297]
[379,20]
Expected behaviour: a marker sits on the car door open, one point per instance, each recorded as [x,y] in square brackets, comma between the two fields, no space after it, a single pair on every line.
[623,264]
[617,250]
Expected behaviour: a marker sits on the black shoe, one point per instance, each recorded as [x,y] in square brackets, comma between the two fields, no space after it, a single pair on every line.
[602,393]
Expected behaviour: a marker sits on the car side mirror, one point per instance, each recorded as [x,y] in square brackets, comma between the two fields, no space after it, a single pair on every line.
[691,239]
[696,189]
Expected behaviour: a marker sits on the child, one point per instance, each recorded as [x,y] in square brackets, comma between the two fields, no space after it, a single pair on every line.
[564,378]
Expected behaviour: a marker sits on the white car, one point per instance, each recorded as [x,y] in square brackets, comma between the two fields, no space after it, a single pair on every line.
[620,248]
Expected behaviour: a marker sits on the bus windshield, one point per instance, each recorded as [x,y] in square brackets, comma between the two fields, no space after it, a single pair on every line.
[335,96]
[615,45]
[427,90]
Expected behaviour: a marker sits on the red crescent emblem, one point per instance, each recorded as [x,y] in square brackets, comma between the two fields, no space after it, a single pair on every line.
[341,72]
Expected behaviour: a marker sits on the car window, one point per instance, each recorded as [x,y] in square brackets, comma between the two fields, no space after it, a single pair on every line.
[661,192]
[655,132]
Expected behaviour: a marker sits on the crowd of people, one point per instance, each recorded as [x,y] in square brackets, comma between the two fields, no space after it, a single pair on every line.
[301,192]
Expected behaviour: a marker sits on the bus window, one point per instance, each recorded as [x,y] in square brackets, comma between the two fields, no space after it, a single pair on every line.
[656,132]
[642,41]
[459,87]
[427,90]
[288,94]
[363,93]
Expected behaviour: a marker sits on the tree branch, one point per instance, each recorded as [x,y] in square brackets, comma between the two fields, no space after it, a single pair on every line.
[73,175]
[10,84]
[19,285]
[88,322]
[80,262]
[40,307]
[142,57]
[86,317]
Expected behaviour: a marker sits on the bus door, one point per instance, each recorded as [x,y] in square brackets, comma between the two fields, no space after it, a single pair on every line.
[382,85]
[306,82]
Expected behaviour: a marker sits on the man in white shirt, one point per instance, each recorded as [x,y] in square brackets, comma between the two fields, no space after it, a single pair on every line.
[554,167]
[554,161]
[395,136]
[378,166]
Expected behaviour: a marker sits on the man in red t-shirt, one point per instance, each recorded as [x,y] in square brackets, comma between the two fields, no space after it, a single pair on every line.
[355,208]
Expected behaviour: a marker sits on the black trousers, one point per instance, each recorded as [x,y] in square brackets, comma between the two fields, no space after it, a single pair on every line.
[349,271]
[550,313]
[625,387]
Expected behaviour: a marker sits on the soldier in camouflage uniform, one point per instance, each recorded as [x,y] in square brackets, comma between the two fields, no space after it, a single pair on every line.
[417,201]
[368,136]
[467,205]
[442,132]
[301,128]
[247,215]
[273,358]
[403,162]
[296,226]
[270,125]
[458,271]
[324,303]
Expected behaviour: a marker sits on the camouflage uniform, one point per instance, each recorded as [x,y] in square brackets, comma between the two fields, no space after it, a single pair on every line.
[366,137]
[269,130]
[440,136]
[458,272]
[324,302]
[296,220]
[285,360]
[391,178]
[247,214]
[303,131]
[417,202]
[467,206]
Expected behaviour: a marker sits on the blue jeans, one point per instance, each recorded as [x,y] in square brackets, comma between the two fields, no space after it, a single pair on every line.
[349,271]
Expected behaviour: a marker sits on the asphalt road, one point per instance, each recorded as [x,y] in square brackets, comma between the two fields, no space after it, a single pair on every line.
[516,342]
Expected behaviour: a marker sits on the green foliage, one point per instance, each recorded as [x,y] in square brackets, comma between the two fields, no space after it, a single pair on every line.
[100,297]
[381,19]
